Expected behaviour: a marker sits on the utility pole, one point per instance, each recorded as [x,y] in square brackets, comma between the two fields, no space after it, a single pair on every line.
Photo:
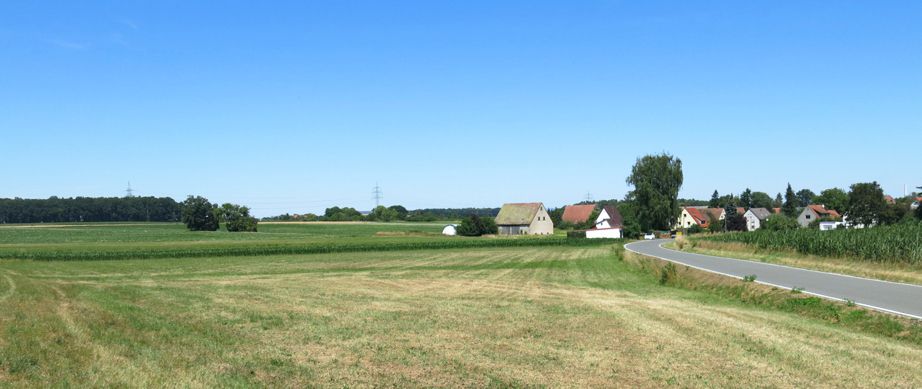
[129,192]
[378,195]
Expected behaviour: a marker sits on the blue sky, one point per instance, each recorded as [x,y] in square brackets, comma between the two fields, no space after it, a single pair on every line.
[296,106]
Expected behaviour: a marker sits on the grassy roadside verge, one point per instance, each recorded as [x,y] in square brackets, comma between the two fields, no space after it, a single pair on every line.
[836,313]
[897,272]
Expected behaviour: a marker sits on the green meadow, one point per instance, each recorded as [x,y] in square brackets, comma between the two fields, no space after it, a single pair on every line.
[533,314]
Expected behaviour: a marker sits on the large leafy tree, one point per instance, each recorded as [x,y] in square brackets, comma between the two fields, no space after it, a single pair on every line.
[865,203]
[790,202]
[746,198]
[237,218]
[198,214]
[656,180]
[832,198]
[761,200]
[805,197]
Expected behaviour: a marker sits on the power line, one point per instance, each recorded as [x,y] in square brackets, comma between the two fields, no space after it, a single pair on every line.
[129,192]
[378,195]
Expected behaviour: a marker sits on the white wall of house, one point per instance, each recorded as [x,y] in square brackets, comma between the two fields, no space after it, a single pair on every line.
[752,221]
[614,233]
[541,224]
[685,220]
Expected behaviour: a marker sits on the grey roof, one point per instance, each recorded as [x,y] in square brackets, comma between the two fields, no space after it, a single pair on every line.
[761,213]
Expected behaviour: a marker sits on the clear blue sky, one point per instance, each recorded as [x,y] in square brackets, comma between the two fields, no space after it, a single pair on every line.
[296,106]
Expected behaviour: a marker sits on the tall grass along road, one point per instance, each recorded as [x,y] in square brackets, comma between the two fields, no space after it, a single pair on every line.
[902,299]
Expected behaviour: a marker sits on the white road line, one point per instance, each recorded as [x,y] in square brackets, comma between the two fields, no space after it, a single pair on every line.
[882,309]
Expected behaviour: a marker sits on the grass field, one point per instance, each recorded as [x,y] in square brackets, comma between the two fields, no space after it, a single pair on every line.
[516,316]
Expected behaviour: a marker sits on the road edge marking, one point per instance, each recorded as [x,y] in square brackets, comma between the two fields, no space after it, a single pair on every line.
[874,307]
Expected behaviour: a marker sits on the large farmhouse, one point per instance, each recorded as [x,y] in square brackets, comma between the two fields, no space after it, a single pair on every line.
[524,219]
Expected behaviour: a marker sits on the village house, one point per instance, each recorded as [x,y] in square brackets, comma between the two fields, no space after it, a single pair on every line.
[577,214]
[524,219]
[692,216]
[608,224]
[755,217]
[815,212]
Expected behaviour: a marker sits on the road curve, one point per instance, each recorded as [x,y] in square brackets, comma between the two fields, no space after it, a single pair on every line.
[892,297]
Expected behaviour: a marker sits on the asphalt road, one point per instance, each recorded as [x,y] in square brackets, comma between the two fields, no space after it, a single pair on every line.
[898,298]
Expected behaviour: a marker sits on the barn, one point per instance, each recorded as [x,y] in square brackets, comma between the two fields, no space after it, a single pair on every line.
[524,219]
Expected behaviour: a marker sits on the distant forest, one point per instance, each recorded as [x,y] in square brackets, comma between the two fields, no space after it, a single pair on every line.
[89,209]
[456,213]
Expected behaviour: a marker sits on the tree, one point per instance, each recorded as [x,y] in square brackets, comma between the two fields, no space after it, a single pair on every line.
[630,223]
[382,214]
[894,213]
[198,214]
[656,180]
[805,197]
[865,203]
[342,214]
[474,225]
[778,201]
[746,198]
[761,200]
[715,200]
[790,202]
[780,223]
[733,221]
[400,210]
[237,218]
[832,198]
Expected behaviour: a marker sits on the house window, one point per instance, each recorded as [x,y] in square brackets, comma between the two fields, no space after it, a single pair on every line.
[808,217]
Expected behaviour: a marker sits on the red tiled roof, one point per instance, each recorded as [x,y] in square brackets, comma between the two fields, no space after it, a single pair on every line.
[822,211]
[577,213]
[696,214]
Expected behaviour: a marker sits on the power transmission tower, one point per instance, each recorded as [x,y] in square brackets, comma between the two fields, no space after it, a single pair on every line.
[129,192]
[378,195]
[589,197]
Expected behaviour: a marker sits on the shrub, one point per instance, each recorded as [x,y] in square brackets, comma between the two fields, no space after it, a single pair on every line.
[780,223]
[476,226]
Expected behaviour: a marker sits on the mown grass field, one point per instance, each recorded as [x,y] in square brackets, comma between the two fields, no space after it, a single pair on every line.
[489,316]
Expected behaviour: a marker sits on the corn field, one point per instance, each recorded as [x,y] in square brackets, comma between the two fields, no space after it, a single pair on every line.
[240,250]
[895,244]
